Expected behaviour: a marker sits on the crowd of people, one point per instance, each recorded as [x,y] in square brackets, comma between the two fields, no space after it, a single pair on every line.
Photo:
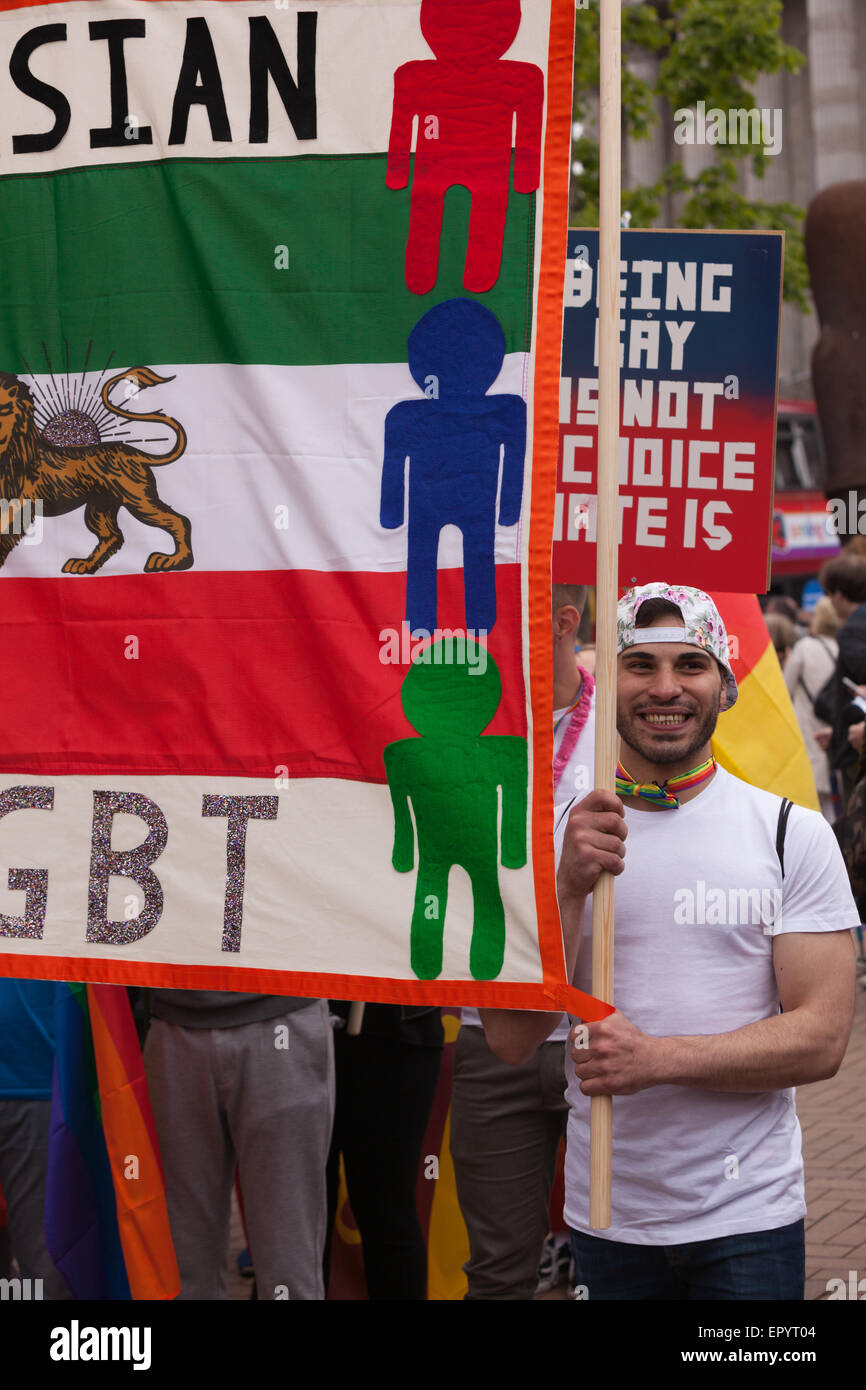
[823,658]
[734,983]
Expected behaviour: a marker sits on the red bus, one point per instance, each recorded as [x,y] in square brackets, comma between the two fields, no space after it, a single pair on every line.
[802,540]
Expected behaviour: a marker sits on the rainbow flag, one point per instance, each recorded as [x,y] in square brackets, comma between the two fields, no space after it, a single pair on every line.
[106,1224]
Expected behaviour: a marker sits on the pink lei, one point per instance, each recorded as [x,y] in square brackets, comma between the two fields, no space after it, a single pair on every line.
[576,724]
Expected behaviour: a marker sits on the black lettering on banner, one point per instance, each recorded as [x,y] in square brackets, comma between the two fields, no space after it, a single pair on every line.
[268,60]
[124,863]
[199,62]
[19,69]
[32,882]
[115,31]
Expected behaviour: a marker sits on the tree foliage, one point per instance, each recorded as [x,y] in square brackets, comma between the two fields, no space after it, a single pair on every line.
[705,50]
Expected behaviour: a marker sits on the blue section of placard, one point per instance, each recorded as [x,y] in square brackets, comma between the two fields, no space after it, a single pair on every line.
[740,340]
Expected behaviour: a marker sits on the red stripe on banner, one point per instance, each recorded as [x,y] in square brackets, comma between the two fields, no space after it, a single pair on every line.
[223,674]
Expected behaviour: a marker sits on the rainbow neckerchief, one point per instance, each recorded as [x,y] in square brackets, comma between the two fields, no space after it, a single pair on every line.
[662,792]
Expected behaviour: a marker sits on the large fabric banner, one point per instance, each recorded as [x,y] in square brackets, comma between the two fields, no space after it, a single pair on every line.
[280,332]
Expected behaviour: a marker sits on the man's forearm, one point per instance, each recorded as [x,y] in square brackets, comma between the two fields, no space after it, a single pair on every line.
[790,1049]
[514,1034]
[571,912]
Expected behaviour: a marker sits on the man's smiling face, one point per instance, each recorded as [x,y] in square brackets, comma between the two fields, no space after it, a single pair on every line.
[669,695]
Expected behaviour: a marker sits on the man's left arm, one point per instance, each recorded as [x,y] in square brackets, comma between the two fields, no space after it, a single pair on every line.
[806,1042]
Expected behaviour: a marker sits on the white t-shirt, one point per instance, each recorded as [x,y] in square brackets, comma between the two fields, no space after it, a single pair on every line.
[696,909]
[576,781]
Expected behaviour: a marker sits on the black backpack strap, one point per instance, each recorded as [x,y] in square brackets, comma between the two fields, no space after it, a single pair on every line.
[566,811]
[784,812]
[809,696]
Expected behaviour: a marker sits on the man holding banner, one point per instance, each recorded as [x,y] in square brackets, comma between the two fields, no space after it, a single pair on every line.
[733,984]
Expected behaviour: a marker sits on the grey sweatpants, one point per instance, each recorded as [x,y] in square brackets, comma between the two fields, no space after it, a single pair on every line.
[227,1095]
[506,1124]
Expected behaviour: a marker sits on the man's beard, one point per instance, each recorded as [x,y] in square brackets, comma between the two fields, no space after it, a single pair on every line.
[657,750]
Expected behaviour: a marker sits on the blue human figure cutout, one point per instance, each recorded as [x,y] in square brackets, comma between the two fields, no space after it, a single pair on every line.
[461,446]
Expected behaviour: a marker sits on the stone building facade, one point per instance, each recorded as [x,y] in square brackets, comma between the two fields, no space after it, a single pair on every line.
[823,139]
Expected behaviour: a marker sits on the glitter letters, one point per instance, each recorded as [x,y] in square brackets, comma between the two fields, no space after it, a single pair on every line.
[126,863]
[32,882]
[238,810]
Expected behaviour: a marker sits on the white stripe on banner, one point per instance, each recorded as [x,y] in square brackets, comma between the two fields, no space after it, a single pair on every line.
[306,902]
[358,46]
[282,470]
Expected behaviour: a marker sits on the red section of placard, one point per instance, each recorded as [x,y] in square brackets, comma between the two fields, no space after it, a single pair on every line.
[693,501]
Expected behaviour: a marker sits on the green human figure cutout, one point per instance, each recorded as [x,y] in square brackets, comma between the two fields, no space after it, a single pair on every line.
[451,777]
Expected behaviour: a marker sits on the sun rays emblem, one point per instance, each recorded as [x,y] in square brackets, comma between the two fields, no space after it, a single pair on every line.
[68,409]
[66,442]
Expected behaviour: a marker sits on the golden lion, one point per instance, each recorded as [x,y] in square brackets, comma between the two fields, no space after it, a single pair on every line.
[102,477]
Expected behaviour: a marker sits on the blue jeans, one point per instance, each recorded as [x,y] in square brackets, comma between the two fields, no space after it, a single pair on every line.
[757,1265]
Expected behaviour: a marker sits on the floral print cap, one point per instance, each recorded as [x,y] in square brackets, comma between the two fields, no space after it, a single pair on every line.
[702,624]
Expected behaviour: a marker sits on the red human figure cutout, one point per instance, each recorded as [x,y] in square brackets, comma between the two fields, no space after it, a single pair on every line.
[465,102]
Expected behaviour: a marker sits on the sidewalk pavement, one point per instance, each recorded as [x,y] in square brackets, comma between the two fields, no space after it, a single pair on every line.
[833,1119]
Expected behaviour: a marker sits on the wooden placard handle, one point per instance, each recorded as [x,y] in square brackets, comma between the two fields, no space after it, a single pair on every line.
[607,534]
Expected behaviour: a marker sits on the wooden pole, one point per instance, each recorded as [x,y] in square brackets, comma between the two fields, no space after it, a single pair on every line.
[601,1107]
[356,1018]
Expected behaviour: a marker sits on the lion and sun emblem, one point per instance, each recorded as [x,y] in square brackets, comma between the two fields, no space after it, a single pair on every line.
[59,449]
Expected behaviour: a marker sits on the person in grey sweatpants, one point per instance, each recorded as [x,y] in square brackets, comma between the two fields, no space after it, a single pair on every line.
[244,1079]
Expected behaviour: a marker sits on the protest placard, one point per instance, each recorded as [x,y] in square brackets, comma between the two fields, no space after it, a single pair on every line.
[699,344]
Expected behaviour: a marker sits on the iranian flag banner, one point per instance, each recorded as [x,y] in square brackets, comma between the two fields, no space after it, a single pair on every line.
[280,329]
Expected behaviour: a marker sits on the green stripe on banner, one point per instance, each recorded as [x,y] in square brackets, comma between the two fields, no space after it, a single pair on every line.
[174,262]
